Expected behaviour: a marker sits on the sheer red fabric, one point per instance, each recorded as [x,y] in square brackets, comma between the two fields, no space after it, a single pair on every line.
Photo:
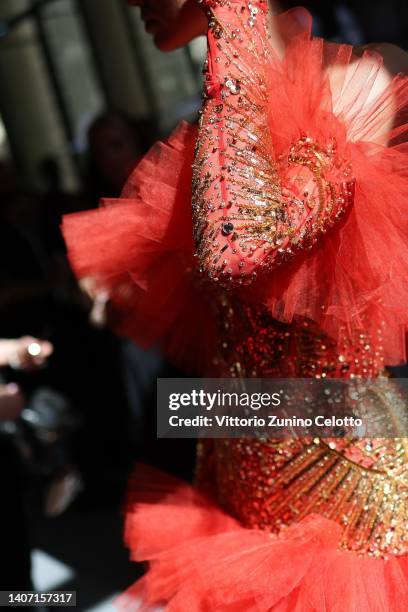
[357,272]
[259,109]
[355,276]
[203,560]
[140,248]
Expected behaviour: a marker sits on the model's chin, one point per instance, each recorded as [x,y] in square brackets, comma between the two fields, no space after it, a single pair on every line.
[165,42]
[179,34]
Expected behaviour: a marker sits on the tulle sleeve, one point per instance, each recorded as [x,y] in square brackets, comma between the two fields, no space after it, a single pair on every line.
[139,249]
[300,178]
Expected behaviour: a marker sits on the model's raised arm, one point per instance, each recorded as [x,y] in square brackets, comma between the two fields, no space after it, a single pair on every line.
[271,179]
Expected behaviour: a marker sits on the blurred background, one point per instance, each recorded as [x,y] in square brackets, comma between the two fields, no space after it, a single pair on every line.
[83,95]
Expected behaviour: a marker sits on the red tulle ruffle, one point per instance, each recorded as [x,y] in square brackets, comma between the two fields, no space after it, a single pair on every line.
[202,560]
[355,278]
[140,249]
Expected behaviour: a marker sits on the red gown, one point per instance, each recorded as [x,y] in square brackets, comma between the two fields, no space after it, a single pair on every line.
[292,262]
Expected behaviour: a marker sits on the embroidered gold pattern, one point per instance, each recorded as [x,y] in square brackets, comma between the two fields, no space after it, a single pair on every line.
[253,344]
[246,218]
[253,210]
[269,484]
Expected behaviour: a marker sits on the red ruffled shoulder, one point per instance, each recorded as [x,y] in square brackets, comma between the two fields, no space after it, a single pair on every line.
[354,279]
[140,249]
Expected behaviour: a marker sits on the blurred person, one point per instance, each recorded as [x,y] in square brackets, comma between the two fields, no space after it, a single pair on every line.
[115,144]
[15,547]
[85,373]
[45,420]
[53,202]
[11,402]
[294,188]
[14,533]
[22,420]
[27,282]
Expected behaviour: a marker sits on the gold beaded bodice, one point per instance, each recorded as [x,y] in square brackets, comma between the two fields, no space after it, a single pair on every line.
[255,345]
[363,485]
[254,210]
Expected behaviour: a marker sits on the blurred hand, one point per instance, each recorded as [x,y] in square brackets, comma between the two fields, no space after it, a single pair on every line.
[26,353]
[62,492]
[99,299]
[89,286]
[11,402]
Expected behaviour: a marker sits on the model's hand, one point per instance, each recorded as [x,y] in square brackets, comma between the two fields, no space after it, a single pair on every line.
[11,402]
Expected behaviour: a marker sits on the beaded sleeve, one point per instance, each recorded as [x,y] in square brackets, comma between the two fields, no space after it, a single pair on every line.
[252,208]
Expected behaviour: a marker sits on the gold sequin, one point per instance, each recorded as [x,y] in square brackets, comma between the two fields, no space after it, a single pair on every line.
[274,207]
[251,211]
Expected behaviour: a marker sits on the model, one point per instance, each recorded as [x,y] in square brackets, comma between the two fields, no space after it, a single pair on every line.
[272,242]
